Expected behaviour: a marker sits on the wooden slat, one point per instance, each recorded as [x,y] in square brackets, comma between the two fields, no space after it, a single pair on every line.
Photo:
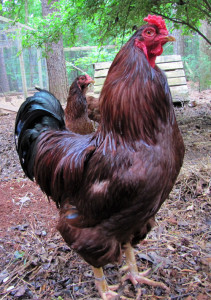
[97,89]
[169,74]
[159,60]
[102,65]
[171,65]
[168,58]
[99,81]
[175,73]
[177,90]
[101,73]
[177,81]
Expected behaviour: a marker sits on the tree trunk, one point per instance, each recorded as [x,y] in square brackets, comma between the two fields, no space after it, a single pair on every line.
[57,74]
[205,58]
[179,45]
[4,83]
[204,46]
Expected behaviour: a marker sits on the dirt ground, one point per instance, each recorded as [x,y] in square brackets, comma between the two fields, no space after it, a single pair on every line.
[35,263]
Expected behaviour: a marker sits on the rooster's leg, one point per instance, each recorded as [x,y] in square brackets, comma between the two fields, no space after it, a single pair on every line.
[102,286]
[133,275]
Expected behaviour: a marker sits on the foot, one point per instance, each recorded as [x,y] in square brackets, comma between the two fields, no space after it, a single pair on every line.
[140,278]
[134,276]
[106,292]
[110,295]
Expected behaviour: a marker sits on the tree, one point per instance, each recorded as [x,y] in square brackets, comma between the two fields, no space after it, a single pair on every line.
[56,67]
[179,43]
[205,58]
[115,17]
[4,83]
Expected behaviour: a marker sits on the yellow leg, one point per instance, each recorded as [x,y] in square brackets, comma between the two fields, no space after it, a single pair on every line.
[133,275]
[102,285]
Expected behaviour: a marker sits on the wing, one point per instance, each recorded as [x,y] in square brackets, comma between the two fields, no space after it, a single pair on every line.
[61,159]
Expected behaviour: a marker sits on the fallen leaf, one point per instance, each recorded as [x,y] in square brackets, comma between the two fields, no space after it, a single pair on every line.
[183,223]
[23,200]
[18,254]
[10,288]
[206,261]
[21,291]
[190,207]
[172,221]
[170,248]
[6,279]
[158,259]
[21,227]
[202,297]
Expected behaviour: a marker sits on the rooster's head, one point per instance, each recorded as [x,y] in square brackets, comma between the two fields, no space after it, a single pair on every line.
[151,37]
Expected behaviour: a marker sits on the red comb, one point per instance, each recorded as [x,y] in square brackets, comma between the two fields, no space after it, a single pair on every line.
[156,20]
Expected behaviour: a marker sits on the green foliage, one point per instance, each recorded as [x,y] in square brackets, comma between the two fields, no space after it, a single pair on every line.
[204,70]
[15,9]
[196,63]
[85,60]
[101,20]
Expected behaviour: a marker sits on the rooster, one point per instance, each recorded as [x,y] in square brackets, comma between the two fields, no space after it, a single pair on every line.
[76,115]
[110,184]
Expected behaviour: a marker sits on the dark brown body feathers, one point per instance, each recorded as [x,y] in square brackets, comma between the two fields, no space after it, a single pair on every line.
[110,184]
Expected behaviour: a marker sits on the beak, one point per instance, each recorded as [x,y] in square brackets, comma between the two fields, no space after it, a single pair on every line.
[170,38]
[91,81]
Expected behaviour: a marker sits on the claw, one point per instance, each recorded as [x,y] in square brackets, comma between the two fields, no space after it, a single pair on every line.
[140,279]
[134,276]
[110,295]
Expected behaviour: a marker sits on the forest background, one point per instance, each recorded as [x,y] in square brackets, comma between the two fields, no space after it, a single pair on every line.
[62,25]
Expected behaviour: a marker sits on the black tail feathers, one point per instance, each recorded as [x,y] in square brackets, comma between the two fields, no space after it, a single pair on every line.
[38,113]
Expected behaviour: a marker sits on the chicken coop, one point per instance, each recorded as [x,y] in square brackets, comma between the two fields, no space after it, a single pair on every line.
[20,69]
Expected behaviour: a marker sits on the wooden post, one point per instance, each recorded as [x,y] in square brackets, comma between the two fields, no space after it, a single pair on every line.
[23,74]
[39,61]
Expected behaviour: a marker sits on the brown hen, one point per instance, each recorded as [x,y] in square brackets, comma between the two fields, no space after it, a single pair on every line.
[76,112]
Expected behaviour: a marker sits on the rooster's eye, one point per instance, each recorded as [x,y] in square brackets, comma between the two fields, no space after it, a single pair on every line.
[149,32]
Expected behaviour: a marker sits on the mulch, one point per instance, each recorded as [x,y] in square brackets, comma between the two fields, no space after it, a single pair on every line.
[36,264]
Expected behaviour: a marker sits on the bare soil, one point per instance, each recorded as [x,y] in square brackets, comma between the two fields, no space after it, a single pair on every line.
[35,263]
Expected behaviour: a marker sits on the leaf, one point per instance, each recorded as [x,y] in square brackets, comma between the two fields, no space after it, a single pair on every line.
[21,227]
[19,254]
[183,223]
[10,288]
[159,259]
[145,257]
[206,261]
[24,199]
[170,248]
[4,276]
[6,279]
[190,207]
[21,291]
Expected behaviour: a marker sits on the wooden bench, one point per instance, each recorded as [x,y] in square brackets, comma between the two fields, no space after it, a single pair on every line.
[171,64]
